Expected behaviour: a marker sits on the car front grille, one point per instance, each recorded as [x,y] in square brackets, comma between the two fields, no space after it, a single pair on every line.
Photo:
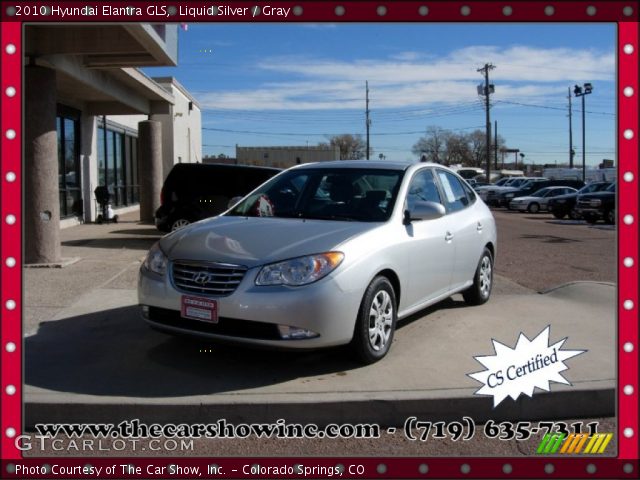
[219,279]
[584,203]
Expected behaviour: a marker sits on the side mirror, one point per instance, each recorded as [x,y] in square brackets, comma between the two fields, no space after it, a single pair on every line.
[233,201]
[424,211]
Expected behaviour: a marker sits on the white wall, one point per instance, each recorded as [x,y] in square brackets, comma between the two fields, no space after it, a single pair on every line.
[181,131]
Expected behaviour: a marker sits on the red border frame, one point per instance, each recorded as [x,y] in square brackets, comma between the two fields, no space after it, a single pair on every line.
[361,11]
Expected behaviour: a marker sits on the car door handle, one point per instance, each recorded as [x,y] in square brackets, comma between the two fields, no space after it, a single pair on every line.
[448,237]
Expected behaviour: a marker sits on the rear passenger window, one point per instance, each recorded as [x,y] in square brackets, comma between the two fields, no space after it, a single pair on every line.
[455,195]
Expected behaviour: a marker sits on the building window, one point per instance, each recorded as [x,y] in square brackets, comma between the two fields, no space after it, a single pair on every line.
[118,165]
[70,193]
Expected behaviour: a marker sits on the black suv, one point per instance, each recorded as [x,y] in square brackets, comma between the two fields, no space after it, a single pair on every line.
[194,191]
[564,205]
[598,205]
[530,187]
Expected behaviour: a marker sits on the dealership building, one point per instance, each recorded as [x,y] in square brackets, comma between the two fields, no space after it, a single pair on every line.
[91,118]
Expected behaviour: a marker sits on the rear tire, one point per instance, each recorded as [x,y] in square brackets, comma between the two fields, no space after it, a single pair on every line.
[480,291]
[179,223]
[534,208]
[376,322]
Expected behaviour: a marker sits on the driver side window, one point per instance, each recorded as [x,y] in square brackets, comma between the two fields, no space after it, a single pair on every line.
[423,188]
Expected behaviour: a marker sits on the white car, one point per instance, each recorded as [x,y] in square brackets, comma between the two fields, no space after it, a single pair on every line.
[539,200]
[324,254]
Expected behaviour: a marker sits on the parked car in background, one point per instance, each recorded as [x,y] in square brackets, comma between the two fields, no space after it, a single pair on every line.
[504,198]
[538,200]
[491,193]
[598,205]
[564,205]
[324,254]
[193,191]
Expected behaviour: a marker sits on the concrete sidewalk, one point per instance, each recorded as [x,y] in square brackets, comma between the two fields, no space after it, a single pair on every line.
[90,358]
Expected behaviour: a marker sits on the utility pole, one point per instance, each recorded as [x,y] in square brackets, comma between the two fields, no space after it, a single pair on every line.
[495,145]
[487,92]
[367,117]
[571,152]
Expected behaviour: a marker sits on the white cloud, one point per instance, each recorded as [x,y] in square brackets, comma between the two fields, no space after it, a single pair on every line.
[416,79]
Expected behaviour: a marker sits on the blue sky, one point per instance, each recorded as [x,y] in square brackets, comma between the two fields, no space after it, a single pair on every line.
[293,84]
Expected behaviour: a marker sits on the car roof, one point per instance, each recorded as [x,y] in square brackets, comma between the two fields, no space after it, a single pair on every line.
[373,164]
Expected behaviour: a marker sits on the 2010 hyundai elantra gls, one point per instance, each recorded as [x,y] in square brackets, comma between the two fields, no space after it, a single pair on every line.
[324,254]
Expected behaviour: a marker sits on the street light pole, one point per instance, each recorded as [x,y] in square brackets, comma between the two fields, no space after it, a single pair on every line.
[579,91]
[584,153]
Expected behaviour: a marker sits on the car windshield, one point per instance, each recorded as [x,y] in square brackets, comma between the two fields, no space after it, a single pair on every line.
[611,188]
[346,194]
[593,187]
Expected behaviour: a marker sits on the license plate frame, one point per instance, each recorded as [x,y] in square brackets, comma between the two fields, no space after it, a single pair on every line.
[199,308]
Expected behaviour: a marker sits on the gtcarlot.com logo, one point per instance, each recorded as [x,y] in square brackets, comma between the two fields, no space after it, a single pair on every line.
[575,443]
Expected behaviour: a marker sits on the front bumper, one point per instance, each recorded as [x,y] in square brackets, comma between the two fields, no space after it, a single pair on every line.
[590,211]
[251,313]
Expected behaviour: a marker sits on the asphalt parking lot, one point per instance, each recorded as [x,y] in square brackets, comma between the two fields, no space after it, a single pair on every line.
[539,251]
[86,342]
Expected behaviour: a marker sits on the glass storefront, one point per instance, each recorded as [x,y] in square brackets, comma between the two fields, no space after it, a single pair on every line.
[118,165]
[68,130]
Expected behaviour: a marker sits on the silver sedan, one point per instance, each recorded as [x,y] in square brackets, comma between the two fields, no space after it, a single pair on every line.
[539,200]
[324,254]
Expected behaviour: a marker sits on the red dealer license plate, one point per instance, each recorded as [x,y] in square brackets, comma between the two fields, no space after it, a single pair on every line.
[198,308]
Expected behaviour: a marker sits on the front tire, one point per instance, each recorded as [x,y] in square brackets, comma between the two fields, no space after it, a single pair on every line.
[591,219]
[559,214]
[534,208]
[480,291]
[376,322]
[610,216]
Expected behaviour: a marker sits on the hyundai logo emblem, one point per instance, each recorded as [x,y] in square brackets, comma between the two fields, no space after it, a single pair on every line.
[201,278]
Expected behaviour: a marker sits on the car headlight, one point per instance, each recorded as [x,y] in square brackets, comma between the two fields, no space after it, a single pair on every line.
[301,270]
[509,195]
[560,200]
[596,202]
[156,260]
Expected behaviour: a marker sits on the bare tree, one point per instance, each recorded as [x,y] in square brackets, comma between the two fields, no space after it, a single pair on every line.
[352,147]
[477,144]
[457,149]
[431,145]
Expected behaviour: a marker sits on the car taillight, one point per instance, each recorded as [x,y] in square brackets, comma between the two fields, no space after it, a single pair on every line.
[162,196]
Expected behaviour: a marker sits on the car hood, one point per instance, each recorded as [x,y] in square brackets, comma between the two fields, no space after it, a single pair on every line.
[587,196]
[253,241]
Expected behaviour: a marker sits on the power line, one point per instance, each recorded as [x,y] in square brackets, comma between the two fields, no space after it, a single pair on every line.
[549,107]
